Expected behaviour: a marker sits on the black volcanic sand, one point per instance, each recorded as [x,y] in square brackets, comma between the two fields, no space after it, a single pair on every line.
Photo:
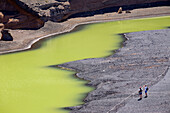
[144,59]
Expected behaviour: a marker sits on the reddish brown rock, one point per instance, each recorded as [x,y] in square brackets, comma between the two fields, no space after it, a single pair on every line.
[91,5]
[1,15]
[31,14]
[1,26]
[120,10]
[56,10]
[14,17]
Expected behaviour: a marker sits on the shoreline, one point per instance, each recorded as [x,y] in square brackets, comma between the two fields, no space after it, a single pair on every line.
[76,109]
[70,24]
[123,73]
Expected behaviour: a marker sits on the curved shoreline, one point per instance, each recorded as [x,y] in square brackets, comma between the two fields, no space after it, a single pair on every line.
[123,72]
[90,20]
[67,30]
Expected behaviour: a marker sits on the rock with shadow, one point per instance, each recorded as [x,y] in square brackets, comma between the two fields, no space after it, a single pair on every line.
[6,36]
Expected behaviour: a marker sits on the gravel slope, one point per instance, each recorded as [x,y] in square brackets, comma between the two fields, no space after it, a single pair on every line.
[144,59]
[158,100]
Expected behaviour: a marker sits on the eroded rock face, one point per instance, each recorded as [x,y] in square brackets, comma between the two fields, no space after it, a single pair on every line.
[92,5]
[89,5]
[14,17]
[53,10]
[31,14]
[56,10]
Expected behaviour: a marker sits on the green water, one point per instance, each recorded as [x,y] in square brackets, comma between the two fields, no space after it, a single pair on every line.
[28,85]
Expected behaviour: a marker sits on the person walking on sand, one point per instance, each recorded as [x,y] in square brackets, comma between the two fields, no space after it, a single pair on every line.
[140,93]
[146,91]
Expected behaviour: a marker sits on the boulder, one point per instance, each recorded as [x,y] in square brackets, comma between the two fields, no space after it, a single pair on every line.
[128,11]
[6,36]
[1,15]
[120,10]
[13,20]
[1,25]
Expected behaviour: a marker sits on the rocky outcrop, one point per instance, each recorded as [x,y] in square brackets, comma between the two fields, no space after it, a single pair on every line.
[91,5]
[57,10]
[120,10]
[31,14]
[13,16]
[53,10]
[6,36]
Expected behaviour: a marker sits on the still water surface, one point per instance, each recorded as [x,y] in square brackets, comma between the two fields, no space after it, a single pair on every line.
[28,85]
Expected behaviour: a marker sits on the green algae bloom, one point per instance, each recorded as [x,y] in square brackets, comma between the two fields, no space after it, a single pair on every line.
[29,85]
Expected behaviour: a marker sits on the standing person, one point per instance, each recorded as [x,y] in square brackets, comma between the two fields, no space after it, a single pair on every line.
[146,91]
[140,93]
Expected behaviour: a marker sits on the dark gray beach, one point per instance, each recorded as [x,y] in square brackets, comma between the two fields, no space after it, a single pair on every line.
[143,59]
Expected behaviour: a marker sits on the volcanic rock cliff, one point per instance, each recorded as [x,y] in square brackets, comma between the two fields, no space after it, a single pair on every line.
[56,10]
[13,16]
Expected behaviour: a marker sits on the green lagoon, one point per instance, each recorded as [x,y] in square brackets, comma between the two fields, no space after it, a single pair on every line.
[29,85]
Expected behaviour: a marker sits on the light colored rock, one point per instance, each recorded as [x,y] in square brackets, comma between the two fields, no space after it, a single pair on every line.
[13,20]
[1,15]
[60,7]
[66,3]
[1,25]
[120,10]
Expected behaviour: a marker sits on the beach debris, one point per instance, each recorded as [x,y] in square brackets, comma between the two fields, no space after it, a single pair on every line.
[120,10]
